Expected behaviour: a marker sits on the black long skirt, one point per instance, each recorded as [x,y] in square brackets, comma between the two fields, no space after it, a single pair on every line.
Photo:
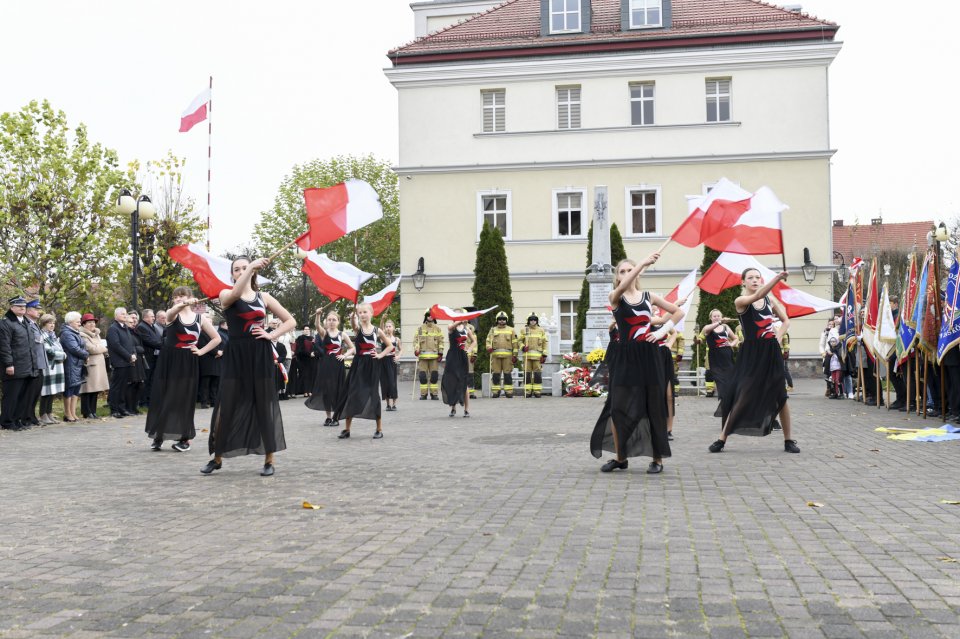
[173,396]
[329,385]
[636,403]
[456,369]
[362,396]
[756,392]
[246,418]
[303,370]
[388,378]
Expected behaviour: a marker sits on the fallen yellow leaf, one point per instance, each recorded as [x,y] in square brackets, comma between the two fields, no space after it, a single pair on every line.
[947,560]
[951,502]
[204,430]
[839,456]
[310,506]
[814,504]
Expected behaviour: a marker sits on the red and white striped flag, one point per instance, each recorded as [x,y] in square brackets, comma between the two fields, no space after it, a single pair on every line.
[725,200]
[337,210]
[196,112]
[212,273]
[683,290]
[452,315]
[336,280]
[382,300]
[727,271]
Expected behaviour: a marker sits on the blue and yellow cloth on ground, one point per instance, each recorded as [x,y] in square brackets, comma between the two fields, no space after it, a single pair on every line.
[945,433]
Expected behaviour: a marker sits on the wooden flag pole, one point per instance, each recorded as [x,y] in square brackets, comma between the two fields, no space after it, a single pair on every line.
[659,250]
[907,375]
[285,247]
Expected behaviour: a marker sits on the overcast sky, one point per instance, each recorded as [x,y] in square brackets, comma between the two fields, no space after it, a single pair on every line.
[296,80]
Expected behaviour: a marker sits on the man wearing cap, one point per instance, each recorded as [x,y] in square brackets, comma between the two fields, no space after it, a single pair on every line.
[534,341]
[28,409]
[428,349]
[123,356]
[502,346]
[18,360]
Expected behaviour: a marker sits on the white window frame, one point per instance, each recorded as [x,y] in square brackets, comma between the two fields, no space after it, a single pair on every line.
[555,208]
[570,103]
[652,100]
[509,212]
[556,313]
[563,11]
[645,6]
[493,108]
[718,96]
[628,209]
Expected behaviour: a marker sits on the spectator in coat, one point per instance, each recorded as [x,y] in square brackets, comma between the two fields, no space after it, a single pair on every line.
[96,379]
[18,360]
[53,379]
[138,372]
[73,369]
[151,336]
[28,410]
[123,356]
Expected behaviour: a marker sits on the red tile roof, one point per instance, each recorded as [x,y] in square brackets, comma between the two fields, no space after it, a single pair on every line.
[866,240]
[512,29]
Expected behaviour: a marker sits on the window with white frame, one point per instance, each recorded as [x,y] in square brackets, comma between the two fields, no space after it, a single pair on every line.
[641,103]
[494,209]
[643,210]
[568,214]
[568,107]
[494,110]
[646,13]
[567,319]
[564,16]
[718,99]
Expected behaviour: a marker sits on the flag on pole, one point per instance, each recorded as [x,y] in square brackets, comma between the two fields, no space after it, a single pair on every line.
[885,340]
[452,315]
[726,273]
[872,310]
[726,200]
[212,273]
[337,210]
[336,280]
[848,322]
[906,334]
[683,290]
[950,327]
[381,301]
[928,328]
[196,111]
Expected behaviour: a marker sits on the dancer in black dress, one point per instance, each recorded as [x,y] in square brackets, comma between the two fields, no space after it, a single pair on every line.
[303,368]
[247,416]
[756,393]
[633,421]
[721,341]
[388,376]
[173,395]
[331,380]
[362,398]
[453,387]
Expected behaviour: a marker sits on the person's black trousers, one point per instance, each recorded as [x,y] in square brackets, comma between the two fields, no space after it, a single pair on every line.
[117,397]
[14,394]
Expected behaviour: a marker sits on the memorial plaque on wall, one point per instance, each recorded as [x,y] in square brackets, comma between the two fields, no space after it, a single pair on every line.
[600,294]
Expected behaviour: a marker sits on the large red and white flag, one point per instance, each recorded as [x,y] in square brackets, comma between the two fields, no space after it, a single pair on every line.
[683,290]
[382,300]
[196,112]
[336,280]
[452,315]
[212,273]
[337,210]
[725,200]
[727,271]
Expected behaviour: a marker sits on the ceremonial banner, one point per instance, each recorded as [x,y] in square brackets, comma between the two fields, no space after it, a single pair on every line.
[885,340]
[335,211]
[928,326]
[336,280]
[906,334]
[848,322]
[950,326]
[872,310]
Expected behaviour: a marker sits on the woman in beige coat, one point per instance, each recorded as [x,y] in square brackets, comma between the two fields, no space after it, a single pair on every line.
[96,380]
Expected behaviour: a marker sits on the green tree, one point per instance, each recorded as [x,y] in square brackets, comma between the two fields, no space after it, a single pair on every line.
[59,236]
[724,301]
[617,253]
[374,248]
[491,286]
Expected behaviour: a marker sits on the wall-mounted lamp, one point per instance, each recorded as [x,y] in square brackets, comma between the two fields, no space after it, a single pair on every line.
[419,277]
[842,270]
[941,235]
[809,268]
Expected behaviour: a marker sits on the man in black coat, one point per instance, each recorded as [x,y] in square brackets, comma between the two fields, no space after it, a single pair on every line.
[123,354]
[152,338]
[19,362]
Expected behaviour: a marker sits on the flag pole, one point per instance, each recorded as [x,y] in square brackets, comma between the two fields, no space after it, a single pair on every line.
[209,155]
[659,250]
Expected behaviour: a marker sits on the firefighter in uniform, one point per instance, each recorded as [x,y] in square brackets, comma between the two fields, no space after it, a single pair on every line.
[502,346]
[534,346]
[677,358]
[428,349]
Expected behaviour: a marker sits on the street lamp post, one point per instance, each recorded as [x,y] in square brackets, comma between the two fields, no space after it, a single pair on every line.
[137,209]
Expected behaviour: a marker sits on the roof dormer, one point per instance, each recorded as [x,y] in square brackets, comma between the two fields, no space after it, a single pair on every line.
[645,14]
[559,17]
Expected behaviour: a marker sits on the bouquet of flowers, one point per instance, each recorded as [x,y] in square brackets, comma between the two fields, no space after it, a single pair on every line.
[596,356]
[572,359]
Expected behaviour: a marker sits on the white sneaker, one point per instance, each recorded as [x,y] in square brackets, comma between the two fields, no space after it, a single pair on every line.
[850,396]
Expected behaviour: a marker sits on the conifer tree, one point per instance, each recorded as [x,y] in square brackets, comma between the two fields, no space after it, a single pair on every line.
[724,301]
[491,286]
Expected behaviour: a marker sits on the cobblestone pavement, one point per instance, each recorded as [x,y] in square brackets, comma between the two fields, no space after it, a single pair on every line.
[496,526]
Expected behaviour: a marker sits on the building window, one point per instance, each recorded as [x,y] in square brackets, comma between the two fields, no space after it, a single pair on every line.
[567,319]
[641,103]
[646,13]
[494,110]
[564,16]
[568,107]
[643,210]
[493,207]
[718,100]
[568,215]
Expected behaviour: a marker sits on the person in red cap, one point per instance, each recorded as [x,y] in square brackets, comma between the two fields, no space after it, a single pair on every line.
[96,380]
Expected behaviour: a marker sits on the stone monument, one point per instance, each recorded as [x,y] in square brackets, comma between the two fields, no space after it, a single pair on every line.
[600,277]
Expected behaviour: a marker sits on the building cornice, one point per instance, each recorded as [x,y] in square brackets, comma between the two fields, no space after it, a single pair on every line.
[619,162]
[608,129]
[659,62]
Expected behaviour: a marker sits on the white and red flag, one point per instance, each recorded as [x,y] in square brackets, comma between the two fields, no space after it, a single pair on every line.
[683,290]
[196,112]
[382,300]
[336,280]
[727,271]
[872,306]
[337,210]
[212,273]
[452,315]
